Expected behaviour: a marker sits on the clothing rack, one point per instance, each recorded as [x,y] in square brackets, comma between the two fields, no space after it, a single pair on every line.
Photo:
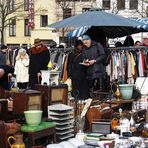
[65,50]
[128,48]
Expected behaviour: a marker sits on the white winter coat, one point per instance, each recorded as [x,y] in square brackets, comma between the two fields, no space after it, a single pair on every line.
[21,70]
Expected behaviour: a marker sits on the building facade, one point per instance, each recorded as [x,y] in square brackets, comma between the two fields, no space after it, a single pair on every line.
[48,11]
[20,32]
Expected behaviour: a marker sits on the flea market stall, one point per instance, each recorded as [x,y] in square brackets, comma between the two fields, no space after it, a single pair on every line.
[115,117]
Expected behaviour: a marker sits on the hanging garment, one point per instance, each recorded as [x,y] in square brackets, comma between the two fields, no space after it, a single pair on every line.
[65,76]
[141,64]
[133,63]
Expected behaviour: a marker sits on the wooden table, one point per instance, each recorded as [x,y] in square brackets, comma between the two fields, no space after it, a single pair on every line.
[124,104]
[33,136]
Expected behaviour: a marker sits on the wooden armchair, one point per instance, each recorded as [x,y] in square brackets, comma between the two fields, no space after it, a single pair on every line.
[96,114]
[3,135]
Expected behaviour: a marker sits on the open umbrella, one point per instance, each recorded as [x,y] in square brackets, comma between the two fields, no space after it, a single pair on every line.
[112,25]
[143,23]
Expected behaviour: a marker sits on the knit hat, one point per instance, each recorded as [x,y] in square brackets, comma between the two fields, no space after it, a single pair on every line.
[85,37]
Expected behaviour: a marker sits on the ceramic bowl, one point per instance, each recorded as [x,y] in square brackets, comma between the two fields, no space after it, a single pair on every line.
[126,91]
[33,117]
[135,139]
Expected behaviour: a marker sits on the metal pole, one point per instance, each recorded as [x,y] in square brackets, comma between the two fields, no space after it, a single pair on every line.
[142,17]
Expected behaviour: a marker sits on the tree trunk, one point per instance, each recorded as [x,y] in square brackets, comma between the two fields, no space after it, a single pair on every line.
[2,37]
[2,31]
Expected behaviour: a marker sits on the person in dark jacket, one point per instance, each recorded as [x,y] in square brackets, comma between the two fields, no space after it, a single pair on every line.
[6,73]
[39,60]
[77,72]
[93,55]
[129,41]
[3,55]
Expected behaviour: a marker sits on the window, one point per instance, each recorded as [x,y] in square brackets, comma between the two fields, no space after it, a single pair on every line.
[146,11]
[27,30]
[26,5]
[67,13]
[11,5]
[12,27]
[133,4]
[120,4]
[106,4]
[85,9]
[44,20]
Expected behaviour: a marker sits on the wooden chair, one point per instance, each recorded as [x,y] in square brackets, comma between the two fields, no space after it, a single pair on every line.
[3,135]
[106,114]
[93,114]
[96,114]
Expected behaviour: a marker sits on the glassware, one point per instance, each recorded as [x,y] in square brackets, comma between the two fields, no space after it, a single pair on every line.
[132,123]
[80,123]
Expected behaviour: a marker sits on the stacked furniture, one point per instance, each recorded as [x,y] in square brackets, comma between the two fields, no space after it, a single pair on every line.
[62,115]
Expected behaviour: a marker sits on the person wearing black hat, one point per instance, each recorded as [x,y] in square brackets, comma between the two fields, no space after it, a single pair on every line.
[39,59]
[94,54]
[77,72]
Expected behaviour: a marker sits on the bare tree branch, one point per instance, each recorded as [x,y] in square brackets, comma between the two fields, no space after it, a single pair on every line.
[143,12]
[10,11]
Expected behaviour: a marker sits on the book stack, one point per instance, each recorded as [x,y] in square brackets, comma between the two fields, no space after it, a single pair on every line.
[94,136]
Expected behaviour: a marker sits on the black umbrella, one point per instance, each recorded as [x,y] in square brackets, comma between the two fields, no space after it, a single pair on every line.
[112,25]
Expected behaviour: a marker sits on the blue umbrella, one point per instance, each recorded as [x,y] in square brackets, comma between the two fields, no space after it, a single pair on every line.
[143,23]
[78,32]
[112,25]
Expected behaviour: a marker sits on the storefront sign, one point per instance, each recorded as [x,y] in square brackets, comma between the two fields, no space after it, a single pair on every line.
[31,14]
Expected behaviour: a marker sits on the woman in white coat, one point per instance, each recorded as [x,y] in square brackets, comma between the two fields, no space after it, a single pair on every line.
[21,69]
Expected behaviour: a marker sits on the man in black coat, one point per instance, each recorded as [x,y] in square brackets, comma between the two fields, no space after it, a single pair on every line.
[93,56]
[39,60]
[6,73]
[77,72]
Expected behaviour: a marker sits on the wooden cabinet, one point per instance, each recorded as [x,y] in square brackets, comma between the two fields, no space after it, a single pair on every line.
[52,94]
[26,100]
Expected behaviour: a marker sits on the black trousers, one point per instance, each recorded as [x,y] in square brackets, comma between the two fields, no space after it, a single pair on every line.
[96,84]
[80,88]
[22,85]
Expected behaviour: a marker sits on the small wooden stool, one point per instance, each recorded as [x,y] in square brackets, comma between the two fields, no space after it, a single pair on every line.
[33,133]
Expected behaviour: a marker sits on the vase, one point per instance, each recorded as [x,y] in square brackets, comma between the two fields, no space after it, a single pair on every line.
[126,91]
